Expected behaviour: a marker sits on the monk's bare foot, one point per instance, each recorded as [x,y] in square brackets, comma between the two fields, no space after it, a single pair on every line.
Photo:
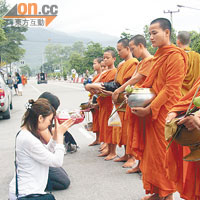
[122,159]
[129,163]
[103,154]
[103,146]
[105,150]
[169,197]
[94,143]
[110,156]
[133,170]
[153,197]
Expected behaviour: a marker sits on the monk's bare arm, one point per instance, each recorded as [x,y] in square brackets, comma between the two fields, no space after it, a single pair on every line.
[107,93]
[134,79]
[93,88]
[99,78]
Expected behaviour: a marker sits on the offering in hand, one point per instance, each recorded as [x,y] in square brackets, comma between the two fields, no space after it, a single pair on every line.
[64,115]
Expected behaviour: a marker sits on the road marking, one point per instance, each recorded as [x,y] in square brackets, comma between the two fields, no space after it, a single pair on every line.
[38,91]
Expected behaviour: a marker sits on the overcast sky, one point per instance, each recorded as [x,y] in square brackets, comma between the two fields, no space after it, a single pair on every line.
[115,16]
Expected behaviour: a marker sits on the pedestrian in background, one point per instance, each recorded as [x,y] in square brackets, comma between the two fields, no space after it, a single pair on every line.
[10,82]
[19,83]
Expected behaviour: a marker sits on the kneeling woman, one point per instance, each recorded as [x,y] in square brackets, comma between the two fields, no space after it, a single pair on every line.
[33,158]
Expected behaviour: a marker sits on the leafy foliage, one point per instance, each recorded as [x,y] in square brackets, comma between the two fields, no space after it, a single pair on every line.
[12,37]
[126,35]
[25,70]
[76,57]
[195,41]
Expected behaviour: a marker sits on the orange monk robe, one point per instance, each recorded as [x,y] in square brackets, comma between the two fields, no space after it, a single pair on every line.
[193,72]
[105,108]
[186,174]
[95,113]
[124,73]
[23,79]
[134,122]
[165,78]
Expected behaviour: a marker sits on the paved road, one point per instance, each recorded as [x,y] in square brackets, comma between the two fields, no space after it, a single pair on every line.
[92,178]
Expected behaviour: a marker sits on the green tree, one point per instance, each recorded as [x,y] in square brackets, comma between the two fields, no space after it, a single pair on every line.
[25,70]
[195,41]
[126,35]
[173,36]
[92,51]
[76,62]
[55,55]
[78,47]
[2,33]
[10,49]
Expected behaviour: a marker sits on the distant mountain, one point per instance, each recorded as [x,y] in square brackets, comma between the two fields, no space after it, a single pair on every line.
[102,38]
[38,38]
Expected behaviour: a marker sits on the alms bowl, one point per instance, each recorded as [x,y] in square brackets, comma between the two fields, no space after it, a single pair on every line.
[140,97]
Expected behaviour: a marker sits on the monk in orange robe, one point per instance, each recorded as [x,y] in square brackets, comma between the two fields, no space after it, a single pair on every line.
[103,66]
[105,104]
[165,78]
[186,174]
[23,79]
[193,72]
[95,110]
[138,48]
[136,77]
[124,72]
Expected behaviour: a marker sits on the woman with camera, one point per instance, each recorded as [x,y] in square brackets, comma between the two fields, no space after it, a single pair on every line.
[32,157]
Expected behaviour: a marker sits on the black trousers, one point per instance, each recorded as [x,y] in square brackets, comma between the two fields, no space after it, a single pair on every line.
[58,179]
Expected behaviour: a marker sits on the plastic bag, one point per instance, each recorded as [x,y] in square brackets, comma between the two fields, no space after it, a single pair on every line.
[114,119]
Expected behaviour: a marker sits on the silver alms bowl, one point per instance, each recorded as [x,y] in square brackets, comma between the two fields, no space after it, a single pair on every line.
[140,97]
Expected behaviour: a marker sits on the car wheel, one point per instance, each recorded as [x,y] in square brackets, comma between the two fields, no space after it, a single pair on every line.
[6,114]
[11,106]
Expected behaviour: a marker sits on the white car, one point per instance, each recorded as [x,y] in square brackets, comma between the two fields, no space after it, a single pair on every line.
[5,99]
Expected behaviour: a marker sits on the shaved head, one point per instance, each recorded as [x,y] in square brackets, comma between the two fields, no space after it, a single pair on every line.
[139,39]
[184,37]
[164,24]
[124,42]
[111,52]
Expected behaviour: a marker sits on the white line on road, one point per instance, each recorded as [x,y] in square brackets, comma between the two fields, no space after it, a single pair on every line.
[38,91]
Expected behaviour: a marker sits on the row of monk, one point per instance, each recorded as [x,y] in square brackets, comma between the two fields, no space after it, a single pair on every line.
[173,74]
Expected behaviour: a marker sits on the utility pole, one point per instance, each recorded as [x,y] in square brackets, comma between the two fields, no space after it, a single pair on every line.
[171,12]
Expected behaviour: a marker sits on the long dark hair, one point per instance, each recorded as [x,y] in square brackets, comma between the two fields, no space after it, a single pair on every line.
[34,110]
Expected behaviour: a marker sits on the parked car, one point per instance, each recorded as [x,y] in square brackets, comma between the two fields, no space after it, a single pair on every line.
[42,78]
[5,99]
